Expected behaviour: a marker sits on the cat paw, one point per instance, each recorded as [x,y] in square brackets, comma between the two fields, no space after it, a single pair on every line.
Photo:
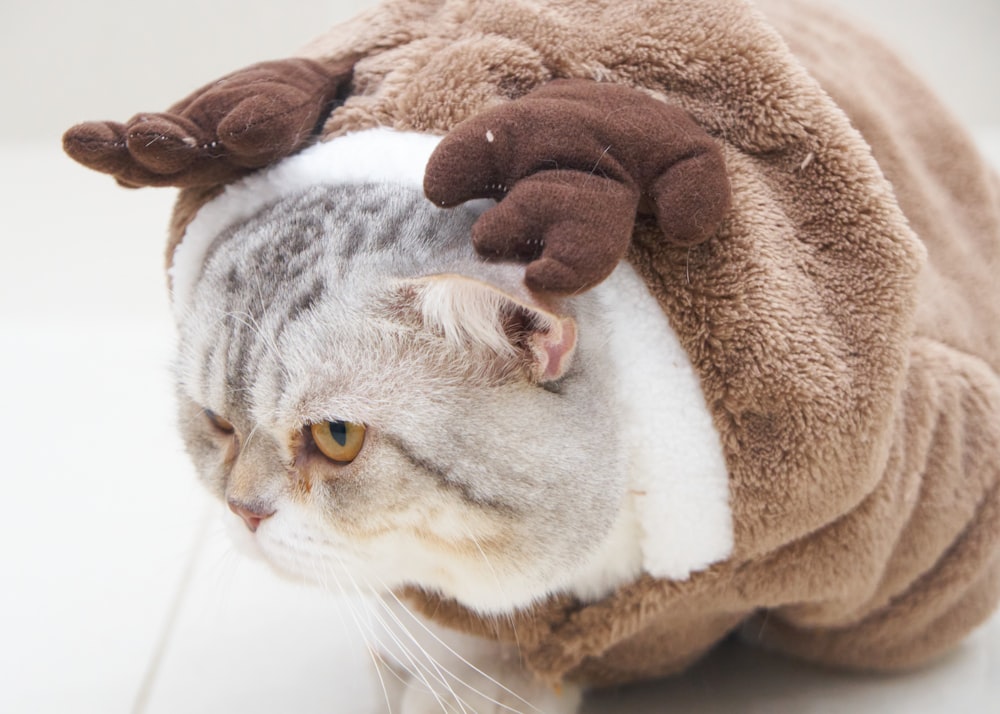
[242,122]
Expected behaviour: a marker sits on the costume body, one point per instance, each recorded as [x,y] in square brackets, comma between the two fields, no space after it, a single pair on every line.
[844,321]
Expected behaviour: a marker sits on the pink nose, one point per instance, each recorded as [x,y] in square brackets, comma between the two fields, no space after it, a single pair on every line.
[252,515]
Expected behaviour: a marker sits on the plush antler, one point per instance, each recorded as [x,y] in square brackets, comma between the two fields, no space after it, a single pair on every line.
[570,163]
[246,120]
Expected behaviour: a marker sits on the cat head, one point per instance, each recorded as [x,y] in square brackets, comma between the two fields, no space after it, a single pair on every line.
[382,408]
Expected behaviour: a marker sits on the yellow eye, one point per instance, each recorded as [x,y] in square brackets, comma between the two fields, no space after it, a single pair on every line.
[219,423]
[339,440]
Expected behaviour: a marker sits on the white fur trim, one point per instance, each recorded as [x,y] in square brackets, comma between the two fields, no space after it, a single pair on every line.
[679,480]
[371,156]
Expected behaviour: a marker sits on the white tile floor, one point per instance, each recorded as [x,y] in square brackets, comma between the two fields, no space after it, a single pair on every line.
[118,589]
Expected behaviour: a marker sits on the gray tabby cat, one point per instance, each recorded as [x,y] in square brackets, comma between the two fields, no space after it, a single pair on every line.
[382,408]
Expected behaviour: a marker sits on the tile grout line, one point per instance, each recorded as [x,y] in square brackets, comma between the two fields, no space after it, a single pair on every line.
[142,697]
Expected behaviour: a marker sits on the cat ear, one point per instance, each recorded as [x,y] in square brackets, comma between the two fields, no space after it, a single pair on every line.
[469,312]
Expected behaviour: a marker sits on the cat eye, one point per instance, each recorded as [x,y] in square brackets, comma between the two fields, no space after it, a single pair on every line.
[339,441]
[220,423]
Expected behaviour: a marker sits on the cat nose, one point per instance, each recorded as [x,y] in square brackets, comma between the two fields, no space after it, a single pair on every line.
[251,514]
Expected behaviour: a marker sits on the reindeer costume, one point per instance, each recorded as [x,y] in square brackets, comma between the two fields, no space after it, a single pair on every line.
[822,237]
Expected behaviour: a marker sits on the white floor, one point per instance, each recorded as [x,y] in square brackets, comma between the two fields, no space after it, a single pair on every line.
[118,589]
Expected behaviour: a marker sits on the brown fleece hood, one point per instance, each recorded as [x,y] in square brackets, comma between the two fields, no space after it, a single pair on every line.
[844,317]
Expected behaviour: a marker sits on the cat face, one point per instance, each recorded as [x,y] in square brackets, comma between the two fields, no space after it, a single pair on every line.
[488,463]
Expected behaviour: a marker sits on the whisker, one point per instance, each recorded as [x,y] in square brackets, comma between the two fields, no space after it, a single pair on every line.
[431,667]
[372,644]
[365,631]
[441,673]
[463,660]
[376,657]
[370,637]
[416,670]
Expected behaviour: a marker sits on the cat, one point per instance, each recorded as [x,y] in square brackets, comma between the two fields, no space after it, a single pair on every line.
[384,412]
[380,408]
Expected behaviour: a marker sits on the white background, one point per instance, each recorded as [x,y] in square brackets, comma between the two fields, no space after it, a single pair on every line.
[118,591]
[65,62]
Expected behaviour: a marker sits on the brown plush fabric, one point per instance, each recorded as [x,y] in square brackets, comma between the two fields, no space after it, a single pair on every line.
[848,352]
[224,130]
[844,319]
[568,213]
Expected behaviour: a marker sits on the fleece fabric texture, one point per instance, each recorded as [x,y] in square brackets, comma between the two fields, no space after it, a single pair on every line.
[844,319]
[218,133]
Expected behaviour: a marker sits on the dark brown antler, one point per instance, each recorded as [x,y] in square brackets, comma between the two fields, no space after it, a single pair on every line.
[246,120]
[570,162]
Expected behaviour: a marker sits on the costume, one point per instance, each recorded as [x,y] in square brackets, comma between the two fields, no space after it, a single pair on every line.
[844,318]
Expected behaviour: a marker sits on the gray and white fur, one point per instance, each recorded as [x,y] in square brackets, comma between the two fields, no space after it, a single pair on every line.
[474,479]
[493,471]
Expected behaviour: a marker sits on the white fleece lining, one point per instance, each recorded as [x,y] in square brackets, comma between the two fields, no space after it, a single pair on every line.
[678,473]
[372,156]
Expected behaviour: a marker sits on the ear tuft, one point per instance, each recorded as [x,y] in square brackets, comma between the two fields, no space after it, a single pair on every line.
[472,313]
